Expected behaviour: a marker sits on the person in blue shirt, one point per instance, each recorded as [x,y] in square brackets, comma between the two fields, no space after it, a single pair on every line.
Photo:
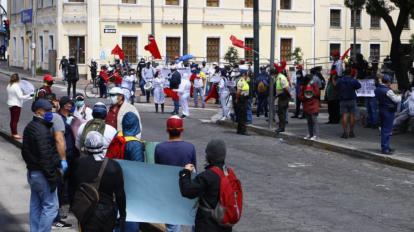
[347,86]
[175,152]
[262,90]
[388,102]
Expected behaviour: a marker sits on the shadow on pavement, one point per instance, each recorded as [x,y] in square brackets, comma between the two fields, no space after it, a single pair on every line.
[12,223]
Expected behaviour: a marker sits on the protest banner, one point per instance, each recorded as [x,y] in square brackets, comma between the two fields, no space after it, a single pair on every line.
[367,88]
[153,194]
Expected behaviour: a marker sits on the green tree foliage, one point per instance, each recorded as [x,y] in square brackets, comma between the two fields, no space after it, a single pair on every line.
[232,55]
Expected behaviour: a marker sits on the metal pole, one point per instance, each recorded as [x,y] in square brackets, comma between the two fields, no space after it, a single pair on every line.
[256,28]
[354,49]
[272,61]
[314,32]
[34,17]
[152,18]
[185,27]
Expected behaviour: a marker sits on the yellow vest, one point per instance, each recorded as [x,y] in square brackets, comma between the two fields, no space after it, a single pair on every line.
[245,85]
[279,80]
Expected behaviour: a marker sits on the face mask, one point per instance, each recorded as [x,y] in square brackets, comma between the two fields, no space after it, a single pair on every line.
[72,109]
[79,103]
[48,116]
[69,120]
[114,100]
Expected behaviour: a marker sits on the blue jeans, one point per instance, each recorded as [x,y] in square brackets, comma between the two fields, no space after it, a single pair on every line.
[372,110]
[197,92]
[249,111]
[44,204]
[176,107]
[387,119]
[173,228]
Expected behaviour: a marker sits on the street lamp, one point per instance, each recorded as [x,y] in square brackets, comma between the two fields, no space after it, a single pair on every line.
[272,61]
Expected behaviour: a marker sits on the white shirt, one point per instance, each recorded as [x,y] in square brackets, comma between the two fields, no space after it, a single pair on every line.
[198,82]
[148,74]
[128,81]
[15,95]
[338,67]
[108,135]
[80,115]
[185,86]
[394,97]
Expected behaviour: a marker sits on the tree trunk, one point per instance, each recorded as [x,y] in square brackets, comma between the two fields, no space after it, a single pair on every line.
[401,72]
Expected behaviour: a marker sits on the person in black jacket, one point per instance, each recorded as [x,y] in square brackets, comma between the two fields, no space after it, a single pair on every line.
[205,186]
[85,170]
[42,162]
[72,75]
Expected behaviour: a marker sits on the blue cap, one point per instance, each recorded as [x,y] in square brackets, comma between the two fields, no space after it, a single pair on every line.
[386,79]
[42,104]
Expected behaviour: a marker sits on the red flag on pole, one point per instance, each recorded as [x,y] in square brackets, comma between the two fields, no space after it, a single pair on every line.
[345,54]
[152,47]
[118,51]
[238,43]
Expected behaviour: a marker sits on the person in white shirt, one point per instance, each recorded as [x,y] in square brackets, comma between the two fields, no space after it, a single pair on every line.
[159,96]
[15,99]
[82,112]
[225,100]
[148,74]
[184,94]
[96,124]
[128,82]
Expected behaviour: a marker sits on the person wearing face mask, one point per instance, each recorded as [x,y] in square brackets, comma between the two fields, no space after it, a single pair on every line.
[148,74]
[82,112]
[120,107]
[42,162]
[45,90]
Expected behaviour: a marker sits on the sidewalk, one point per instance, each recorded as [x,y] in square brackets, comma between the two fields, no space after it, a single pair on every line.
[366,144]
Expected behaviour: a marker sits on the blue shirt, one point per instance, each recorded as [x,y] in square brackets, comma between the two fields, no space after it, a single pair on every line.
[346,87]
[175,153]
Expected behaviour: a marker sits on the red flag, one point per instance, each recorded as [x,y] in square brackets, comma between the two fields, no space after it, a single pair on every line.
[345,54]
[152,47]
[238,43]
[118,51]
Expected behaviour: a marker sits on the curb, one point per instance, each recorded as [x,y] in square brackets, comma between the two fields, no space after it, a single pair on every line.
[146,227]
[27,78]
[292,139]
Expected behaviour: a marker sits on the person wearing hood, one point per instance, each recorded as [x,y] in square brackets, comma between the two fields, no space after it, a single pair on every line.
[205,186]
[112,198]
[119,108]
[184,93]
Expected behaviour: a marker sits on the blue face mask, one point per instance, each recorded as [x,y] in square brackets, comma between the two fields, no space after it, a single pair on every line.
[48,116]
[72,109]
[79,103]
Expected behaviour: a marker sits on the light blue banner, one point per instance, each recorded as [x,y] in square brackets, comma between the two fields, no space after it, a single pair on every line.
[153,194]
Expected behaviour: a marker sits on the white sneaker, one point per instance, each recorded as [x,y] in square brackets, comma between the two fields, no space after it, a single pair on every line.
[307,137]
[223,118]
[314,138]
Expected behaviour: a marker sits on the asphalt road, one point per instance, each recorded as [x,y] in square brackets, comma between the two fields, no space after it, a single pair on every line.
[287,188]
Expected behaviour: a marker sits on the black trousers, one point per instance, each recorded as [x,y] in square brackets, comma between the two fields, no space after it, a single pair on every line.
[262,105]
[72,84]
[282,107]
[242,114]
[334,111]
[298,104]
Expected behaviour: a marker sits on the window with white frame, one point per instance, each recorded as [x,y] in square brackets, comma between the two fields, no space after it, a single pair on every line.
[358,19]
[172,2]
[334,47]
[375,22]
[41,53]
[77,48]
[22,47]
[358,49]
[286,49]
[51,43]
[129,46]
[173,48]
[374,52]
[286,4]
[213,3]
[129,1]
[213,50]
[335,18]
[248,54]
[248,3]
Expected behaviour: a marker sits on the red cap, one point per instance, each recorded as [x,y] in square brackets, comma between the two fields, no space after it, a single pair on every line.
[47,78]
[334,73]
[175,123]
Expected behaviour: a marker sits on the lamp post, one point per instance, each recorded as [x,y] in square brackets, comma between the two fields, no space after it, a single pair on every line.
[185,27]
[272,61]
[152,18]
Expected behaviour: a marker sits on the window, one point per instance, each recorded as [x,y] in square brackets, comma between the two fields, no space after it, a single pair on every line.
[15,48]
[248,54]
[41,52]
[76,1]
[358,49]
[375,21]
[358,19]
[129,45]
[285,4]
[334,47]
[213,3]
[248,3]
[335,18]
[172,2]
[213,49]
[407,24]
[173,48]
[51,43]
[39,4]
[77,48]
[129,1]
[285,49]
[22,47]
[374,52]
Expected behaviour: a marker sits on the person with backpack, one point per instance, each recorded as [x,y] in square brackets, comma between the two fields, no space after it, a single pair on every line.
[98,124]
[309,95]
[175,152]
[262,89]
[63,65]
[46,89]
[220,194]
[72,76]
[99,188]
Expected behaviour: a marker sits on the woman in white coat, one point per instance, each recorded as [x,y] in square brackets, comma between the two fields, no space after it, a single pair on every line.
[184,94]
[15,100]
[159,97]
[224,97]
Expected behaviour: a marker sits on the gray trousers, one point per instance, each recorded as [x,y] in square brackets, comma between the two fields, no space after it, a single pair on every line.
[313,126]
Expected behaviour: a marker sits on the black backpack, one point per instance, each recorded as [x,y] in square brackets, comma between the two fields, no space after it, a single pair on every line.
[87,196]
[73,72]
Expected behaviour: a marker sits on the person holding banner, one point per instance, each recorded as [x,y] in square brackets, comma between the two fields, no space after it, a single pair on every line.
[371,103]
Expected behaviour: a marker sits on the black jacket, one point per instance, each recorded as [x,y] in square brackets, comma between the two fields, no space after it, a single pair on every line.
[206,185]
[73,72]
[39,150]
[175,80]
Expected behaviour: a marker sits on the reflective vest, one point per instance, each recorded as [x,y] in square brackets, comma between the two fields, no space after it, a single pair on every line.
[245,86]
[280,78]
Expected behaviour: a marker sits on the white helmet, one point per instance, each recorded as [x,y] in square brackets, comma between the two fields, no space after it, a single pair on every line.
[116,91]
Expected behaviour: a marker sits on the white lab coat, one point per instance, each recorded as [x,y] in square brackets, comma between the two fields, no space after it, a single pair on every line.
[159,97]
[224,97]
[184,94]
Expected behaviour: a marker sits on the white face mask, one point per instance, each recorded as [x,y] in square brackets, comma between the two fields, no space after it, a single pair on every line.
[114,100]
[69,120]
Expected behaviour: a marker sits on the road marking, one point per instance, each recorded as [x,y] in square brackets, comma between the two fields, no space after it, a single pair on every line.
[298,165]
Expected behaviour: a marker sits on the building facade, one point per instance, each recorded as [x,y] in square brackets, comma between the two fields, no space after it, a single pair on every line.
[3,16]
[90,29]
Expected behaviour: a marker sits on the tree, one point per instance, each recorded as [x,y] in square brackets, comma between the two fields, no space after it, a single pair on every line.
[297,55]
[232,55]
[383,9]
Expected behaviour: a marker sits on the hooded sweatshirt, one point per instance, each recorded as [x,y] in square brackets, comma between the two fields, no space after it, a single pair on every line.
[134,150]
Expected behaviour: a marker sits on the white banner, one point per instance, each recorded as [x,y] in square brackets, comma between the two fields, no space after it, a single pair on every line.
[367,88]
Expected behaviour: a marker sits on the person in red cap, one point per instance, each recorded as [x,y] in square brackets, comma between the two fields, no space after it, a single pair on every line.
[175,151]
[46,89]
